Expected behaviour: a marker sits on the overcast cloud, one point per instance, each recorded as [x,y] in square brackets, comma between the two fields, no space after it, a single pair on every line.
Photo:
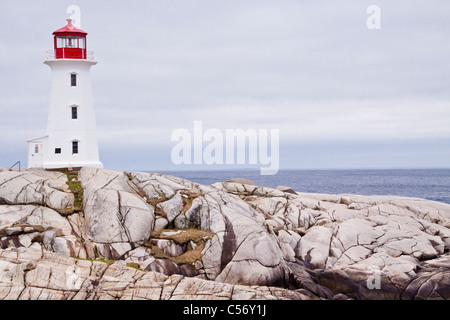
[342,96]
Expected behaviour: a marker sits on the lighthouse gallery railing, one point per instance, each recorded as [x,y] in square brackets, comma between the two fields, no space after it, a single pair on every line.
[51,55]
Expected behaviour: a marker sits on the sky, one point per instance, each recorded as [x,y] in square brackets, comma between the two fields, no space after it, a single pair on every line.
[342,96]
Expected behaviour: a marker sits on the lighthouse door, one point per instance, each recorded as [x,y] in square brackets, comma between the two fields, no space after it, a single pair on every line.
[35,154]
[38,154]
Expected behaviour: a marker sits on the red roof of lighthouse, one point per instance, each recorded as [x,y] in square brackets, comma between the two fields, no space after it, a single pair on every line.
[70,29]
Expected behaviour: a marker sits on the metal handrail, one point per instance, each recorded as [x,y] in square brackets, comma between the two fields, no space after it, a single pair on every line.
[18,162]
[51,55]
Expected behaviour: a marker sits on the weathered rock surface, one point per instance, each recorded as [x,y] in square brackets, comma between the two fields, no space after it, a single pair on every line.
[114,211]
[30,274]
[38,187]
[174,239]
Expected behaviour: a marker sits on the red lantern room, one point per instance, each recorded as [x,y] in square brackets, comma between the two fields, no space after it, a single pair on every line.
[70,42]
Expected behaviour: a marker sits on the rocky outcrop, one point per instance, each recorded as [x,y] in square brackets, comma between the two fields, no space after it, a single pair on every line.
[43,188]
[30,274]
[350,241]
[152,236]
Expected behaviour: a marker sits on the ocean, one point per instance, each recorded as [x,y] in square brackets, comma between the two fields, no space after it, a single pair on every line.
[432,184]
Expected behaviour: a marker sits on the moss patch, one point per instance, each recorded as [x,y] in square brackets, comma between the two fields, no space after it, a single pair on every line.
[107,261]
[134,265]
[182,236]
[192,254]
[77,190]
[188,197]
[189,257]
[75,187]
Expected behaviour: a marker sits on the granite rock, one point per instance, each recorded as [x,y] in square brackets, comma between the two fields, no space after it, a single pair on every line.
[176,239]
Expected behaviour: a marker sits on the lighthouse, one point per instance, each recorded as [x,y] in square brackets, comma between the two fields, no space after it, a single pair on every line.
[71,139]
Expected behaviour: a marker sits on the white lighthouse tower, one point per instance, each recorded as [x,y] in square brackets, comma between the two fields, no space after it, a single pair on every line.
[71,139]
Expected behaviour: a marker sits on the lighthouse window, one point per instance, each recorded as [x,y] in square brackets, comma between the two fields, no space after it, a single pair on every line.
[60,42]
[71,42]
[73,79]
[74,112]
[81,44]
[57,150]
[74,146]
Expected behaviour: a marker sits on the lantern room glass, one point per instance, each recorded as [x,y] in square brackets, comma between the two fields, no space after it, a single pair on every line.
[81,43]
[70,42]
[60,42]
